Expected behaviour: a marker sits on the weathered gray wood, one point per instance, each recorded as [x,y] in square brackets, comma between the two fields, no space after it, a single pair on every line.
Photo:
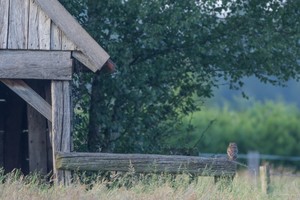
[82,58]
[57,124]
[30,96]
[264,172]
[253,160]
[144,163]
[18,24]
[39,28]
[66,139]
[37,137]
[61,125]
[4,7]
[55,65]
[67,44]
[56,37]
[75,32]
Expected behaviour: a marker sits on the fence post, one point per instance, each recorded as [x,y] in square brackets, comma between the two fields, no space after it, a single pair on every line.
[265,180]
[253,162]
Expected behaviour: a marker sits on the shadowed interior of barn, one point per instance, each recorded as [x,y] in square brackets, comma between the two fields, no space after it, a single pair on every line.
[17,131]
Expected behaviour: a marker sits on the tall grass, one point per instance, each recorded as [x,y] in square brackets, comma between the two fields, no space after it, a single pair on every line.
[16,186]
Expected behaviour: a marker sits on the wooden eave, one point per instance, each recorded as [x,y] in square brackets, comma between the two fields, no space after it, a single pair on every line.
[90,52]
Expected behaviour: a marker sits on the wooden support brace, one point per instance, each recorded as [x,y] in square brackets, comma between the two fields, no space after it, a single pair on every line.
[30,96]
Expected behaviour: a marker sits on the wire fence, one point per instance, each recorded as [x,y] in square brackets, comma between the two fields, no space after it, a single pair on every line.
[256,154]
[261,173]
[253,162]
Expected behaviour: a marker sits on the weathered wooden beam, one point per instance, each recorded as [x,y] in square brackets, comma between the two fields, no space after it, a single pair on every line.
[61,125]
[30,96]
[144,163]
[71,28]
[51,65]
[83,59]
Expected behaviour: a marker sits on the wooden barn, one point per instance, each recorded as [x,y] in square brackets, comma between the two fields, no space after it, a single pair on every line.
[39,41]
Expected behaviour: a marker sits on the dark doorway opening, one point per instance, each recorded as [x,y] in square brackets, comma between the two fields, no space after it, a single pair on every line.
[13,131]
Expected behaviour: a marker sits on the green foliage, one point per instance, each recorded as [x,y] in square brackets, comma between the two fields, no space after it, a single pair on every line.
[168,52]
[270,128]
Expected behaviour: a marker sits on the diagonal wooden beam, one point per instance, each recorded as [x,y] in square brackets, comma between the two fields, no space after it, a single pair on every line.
[30,96]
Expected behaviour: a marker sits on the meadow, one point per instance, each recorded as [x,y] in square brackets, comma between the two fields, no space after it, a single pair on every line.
[15,186]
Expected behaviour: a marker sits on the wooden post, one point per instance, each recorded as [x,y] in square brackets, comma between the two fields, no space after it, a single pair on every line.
[265,178]
[61,125]
[253,163]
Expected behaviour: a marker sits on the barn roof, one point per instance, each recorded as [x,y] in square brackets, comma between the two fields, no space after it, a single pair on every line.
[47,25]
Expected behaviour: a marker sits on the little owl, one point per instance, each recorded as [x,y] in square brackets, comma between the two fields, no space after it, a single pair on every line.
[232,151]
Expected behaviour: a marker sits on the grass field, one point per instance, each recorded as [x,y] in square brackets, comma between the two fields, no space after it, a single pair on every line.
[157,187]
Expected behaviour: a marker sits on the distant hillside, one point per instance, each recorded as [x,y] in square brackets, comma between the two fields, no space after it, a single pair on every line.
[256,90]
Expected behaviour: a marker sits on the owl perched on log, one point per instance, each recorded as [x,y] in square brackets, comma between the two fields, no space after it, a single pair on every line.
[232,151]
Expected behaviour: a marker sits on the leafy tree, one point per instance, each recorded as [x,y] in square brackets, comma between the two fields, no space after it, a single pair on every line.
[169,52]
[269,127]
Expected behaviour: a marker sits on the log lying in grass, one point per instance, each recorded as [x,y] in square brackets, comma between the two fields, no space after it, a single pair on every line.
[145,163]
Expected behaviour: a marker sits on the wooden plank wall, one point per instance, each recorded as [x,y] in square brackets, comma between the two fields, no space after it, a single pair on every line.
[23,25]
[39,28]
[4,7]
